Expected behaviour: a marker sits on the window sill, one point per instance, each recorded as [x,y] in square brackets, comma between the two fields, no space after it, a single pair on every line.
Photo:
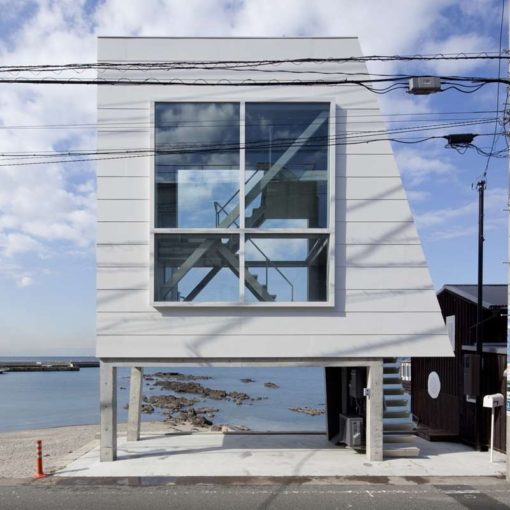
[212,304]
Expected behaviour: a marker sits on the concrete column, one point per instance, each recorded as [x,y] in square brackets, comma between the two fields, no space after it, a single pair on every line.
[135,403]
[108,402]
[374,425]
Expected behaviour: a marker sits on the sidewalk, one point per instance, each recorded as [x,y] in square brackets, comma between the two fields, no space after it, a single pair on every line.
[273,455]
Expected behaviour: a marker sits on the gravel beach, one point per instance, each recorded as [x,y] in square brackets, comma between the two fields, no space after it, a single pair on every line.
[61,445]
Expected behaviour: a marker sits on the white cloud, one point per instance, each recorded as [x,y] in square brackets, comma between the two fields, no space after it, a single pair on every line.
[418,196]
[16,243]
[457,43]
[418,166]
[461,221]
[25,281]
[441,216]
[43,205]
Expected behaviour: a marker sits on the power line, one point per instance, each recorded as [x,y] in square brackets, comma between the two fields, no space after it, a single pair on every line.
[455,82]
[190,149]
[497,90]
[214,64]
[254,143]
[120,127]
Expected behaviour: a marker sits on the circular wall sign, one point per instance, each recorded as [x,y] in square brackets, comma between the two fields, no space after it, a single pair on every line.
[434,385]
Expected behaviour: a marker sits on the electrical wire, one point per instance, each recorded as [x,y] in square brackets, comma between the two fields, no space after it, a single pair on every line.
[494,138]
[200,82]
[135,153]
[275,141]
[215,64]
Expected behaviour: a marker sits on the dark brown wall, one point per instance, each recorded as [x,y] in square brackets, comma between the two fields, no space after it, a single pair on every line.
[451,412]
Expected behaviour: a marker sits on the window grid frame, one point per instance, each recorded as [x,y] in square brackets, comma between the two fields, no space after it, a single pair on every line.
[241,232]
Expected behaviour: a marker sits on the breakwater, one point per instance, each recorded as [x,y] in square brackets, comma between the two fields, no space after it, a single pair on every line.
[46,366]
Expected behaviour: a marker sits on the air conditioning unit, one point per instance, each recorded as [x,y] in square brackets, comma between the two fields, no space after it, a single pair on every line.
[351,430]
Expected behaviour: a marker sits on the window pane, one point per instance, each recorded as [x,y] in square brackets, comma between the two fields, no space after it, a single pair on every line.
[287,165]
[286,268]
[197,164]
[196,267]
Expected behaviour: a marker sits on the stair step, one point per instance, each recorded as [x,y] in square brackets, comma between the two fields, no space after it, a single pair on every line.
[399,438]
[396,419]
[391,365]
[391,399]
[400,451]
[397,412]
[397,390]
[398,427]
[392,379]
[390,406]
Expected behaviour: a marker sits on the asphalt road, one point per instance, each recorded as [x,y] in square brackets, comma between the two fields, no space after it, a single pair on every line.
[90,494]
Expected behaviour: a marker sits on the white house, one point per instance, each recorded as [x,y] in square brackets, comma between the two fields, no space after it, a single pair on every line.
[240,224]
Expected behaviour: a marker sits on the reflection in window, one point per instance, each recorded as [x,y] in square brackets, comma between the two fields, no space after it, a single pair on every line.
[195,267]
[286,165]
[286,268]
[197,164]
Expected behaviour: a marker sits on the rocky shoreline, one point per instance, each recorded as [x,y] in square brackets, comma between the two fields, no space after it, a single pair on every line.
[183,410]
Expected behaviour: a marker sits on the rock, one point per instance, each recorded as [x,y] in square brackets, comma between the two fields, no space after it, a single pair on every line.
[148,378]
[215,394]
[271,385]
[169,403]
[147,408]
[247,380]
[198,389]
[241,428]
[122,387]
[190,416]
[126,406]
[307,410]
[206,410]
[181,377]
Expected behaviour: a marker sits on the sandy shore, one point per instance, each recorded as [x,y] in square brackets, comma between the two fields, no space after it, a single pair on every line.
[61,445]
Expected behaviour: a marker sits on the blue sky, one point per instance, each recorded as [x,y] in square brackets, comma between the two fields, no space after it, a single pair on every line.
[47,212]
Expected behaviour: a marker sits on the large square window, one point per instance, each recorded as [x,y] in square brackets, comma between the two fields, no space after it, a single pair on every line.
[243,203]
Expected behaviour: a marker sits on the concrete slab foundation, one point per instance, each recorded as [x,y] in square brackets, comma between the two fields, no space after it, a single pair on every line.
[306,455]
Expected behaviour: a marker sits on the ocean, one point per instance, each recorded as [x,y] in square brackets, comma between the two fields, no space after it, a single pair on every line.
[30,400]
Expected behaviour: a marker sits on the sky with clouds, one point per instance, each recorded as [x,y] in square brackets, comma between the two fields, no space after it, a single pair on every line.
[47,212]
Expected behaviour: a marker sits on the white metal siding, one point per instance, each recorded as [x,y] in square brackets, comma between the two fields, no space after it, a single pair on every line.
[385,304]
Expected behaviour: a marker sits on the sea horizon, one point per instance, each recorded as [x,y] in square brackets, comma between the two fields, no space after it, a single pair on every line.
[32,400]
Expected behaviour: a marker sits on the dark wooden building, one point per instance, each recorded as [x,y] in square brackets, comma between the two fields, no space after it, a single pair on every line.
[444,411]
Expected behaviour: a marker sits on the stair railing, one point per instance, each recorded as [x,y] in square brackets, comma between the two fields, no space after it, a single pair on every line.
[269,262]
[218,208]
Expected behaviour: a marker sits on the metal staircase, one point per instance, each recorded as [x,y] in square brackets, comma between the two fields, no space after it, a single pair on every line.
[398,428]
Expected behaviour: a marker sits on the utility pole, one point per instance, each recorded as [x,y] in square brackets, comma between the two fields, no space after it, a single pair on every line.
[479,317]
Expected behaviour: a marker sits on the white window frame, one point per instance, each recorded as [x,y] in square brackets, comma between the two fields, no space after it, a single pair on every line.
[330,230]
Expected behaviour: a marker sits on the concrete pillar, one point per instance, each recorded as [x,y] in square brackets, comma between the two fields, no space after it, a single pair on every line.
[374,425]
[135,403]
[108,403]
